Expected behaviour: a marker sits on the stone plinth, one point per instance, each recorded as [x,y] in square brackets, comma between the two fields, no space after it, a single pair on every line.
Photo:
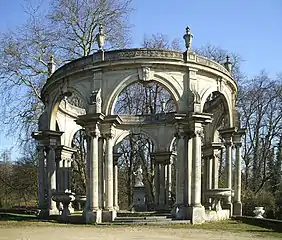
[93,216]
[139,199]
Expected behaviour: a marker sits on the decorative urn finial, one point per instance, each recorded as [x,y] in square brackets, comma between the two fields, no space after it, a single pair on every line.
[51,65]
[100,38]
[188,38]
[228,64]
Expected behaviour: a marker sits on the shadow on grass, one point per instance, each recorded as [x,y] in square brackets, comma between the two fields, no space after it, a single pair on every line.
[17,217]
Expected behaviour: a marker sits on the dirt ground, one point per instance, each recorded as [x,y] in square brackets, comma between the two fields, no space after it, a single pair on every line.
[118,233]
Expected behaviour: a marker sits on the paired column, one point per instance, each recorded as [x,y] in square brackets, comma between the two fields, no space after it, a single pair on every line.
[92,210]
[227,136]
[162,178]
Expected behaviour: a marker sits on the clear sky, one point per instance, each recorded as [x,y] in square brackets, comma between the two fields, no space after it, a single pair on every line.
[251,28]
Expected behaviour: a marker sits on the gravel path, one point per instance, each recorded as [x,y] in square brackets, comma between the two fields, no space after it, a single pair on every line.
[118,233]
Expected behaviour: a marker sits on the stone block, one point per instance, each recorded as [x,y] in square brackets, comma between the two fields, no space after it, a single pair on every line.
[237,209]
[198,214]
[109,216]
[93,216]
[139,200]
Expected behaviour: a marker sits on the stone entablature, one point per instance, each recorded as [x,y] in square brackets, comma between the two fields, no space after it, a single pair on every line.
[138,56]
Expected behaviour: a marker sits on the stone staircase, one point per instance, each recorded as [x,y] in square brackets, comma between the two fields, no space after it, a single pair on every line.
[146,218]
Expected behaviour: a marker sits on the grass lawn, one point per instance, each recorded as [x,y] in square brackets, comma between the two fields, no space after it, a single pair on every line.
[8,220]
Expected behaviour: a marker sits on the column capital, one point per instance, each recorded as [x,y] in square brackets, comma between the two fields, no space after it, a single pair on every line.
[211,149]
[47,137]
[227,133]
[64,153]
[238,136]
[162,157]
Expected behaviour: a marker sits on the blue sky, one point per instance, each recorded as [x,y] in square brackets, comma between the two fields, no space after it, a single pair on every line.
[251,28]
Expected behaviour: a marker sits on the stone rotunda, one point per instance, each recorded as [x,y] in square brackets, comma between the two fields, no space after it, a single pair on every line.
[198,136]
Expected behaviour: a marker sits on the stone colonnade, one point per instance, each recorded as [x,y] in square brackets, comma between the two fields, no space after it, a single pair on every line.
[54,169]
[162,179]
[211,156]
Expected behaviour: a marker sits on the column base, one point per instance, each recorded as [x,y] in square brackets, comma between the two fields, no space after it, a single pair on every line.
[237,209]
[109,215]
[179,212]
[94,216]
[228,206]
[197,214]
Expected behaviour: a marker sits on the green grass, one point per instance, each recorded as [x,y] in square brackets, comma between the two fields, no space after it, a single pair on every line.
[8,220]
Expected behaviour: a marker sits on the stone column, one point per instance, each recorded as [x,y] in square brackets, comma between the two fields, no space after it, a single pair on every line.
[196,210]
[109,214]
[168,182]
[101,172]
[237,193]
[227,136]
[215,168]
[196,169]
[156,182]
[93,213]
[180,174]
[183,176]
[116,156]
[162,187]
[51,167]
[41,177]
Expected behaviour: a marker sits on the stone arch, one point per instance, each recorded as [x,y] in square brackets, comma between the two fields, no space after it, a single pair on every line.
[54,106]
[227,104]
[127,81]
[126,133]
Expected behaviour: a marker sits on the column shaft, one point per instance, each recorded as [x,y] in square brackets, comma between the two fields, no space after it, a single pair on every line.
[51,164]
[116,186]
[101,172]
[41,178]
[237,196]
[94,179]
[157,183]
[228,167]
[162,186]
[196,172]
[109,173]
[168,184]
[215,171]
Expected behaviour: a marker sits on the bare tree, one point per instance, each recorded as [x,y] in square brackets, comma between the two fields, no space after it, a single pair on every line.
[68,31]
[219,55]
[161,41]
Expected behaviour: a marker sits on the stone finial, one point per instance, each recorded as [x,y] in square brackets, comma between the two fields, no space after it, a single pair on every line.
[51,65]
[188,38]
[228,64]
[100,38]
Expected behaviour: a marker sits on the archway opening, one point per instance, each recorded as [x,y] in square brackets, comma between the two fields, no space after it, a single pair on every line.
[216,104]
[144,98]
[78,176]
[135,151]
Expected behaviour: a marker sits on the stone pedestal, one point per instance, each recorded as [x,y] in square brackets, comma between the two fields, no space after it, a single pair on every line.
[237,209]
[109,215]
[139,199]
[196,214]
[94,216]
